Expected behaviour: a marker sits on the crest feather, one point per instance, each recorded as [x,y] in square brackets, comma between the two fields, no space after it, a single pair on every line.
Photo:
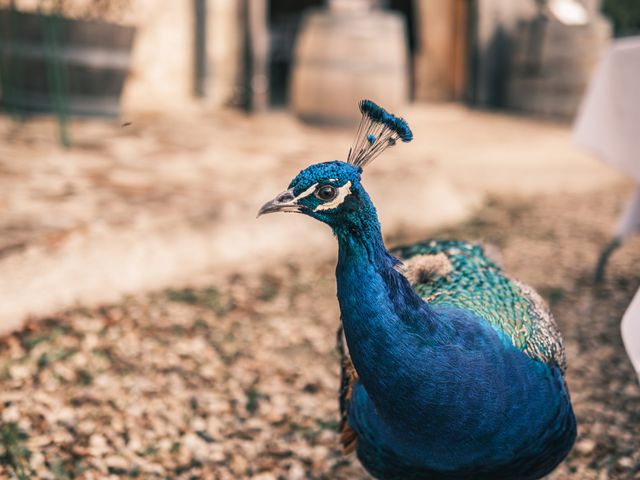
[378,130]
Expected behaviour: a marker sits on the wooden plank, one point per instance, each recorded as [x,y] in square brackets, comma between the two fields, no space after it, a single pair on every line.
[461,49]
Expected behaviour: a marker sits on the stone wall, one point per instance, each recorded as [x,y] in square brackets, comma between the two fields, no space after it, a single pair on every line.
[163,58]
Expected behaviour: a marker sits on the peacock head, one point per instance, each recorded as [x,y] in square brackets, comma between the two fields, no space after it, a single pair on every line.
[331,191]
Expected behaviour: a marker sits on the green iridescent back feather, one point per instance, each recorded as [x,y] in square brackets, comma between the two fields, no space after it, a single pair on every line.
[474,282]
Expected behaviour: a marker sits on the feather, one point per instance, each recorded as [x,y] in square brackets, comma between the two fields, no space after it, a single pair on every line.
[348,378]
[378,130]
[476,283]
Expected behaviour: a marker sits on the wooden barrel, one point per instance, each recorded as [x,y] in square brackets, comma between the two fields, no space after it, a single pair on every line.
[51,63]
[552,64]
[341,58]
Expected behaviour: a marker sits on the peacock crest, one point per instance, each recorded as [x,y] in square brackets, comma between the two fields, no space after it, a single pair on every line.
[378,130]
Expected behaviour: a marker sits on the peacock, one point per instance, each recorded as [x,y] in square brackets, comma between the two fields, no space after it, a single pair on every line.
[449,368]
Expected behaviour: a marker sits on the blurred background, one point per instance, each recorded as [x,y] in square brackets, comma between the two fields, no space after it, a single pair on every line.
[152,328]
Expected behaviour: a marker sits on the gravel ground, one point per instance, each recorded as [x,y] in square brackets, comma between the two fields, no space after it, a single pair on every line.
[239,380]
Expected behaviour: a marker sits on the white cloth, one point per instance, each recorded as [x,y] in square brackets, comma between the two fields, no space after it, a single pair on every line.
[630,330]
[609,119]
[608,124]
[629,221]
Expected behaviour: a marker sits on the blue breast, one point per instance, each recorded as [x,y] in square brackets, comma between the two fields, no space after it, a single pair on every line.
[498,414]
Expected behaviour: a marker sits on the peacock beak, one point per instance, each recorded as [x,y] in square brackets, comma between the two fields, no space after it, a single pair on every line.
[284,202]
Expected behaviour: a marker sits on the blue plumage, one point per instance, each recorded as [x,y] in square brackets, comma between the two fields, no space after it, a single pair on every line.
[466,385]
[377,114]
[378,130]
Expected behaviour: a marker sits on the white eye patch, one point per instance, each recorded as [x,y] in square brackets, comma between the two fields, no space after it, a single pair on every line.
[343,192]
[307,192]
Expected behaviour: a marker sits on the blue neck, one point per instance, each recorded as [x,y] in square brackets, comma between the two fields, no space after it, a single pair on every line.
[386,324]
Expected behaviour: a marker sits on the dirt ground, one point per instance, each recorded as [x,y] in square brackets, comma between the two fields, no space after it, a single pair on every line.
[153,199]
[239,379]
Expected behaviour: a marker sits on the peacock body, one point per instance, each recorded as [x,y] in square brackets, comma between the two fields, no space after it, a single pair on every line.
[450,369]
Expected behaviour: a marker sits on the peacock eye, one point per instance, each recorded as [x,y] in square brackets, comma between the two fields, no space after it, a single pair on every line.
[326,193]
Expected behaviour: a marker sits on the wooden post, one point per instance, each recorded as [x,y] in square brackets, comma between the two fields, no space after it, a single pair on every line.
[460,48]
[200,48]
[256,78]
[441,59]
